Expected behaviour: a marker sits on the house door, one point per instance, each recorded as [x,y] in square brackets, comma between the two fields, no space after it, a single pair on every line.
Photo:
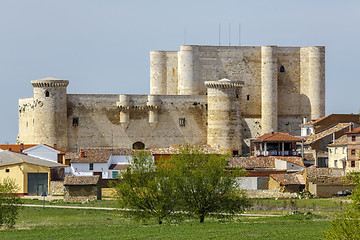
[37,183]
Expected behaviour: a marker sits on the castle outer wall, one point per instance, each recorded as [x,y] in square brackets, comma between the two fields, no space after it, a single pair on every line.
[280,86]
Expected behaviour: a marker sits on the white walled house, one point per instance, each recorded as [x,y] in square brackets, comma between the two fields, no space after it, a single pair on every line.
[44,152]
[106,162]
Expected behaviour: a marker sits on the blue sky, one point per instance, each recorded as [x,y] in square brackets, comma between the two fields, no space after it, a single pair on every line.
[103,46]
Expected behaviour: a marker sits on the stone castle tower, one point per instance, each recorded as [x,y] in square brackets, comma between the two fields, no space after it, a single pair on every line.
[217,95]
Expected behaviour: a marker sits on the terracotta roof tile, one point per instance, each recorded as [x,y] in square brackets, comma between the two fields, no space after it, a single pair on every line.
[277,137]
[96,155]
[16,147]
[81,180]
[251,162]
[323,133]
[340,141]
[288,179]
[356,130]
[261,162]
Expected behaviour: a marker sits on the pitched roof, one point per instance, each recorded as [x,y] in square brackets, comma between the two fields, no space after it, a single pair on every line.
[276,137]
[96,155]
[340,141]
[16,147]
[81,180]
[356,130]
[314,122]
[8,158]
[323,133]
[288,179]
[174,149]
[118,166]
[261,162]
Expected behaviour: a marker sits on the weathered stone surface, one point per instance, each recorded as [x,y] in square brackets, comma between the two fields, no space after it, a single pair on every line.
[281,85]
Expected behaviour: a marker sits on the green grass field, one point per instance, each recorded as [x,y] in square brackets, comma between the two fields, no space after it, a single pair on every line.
[38,223]
[51,223]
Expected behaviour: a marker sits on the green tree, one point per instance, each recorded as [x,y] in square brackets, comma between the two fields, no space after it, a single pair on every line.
[146,189]
[9,203]
[202,184]
[347,224]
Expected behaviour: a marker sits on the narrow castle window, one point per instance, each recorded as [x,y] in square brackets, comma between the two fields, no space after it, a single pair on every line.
[47,94]
[7,170]
[75,121]
[282,69]
[182,122]
[248,97]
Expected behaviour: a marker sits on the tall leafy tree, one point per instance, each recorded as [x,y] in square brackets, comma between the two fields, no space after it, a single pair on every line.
[9,202]
[202,184]
[347,224]
[145,189]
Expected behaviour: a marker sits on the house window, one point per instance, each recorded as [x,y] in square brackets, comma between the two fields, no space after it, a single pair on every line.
[336,163]
[75,121]
[353,152]
[114,174]
[182,122]
[47,94]
[7,170]
[282,69]
[352,163]
[91,166]
[353,138]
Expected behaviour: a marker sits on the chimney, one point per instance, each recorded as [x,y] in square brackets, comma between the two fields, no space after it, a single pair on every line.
[21,147]
[55,145]
[304,120]
[351,127]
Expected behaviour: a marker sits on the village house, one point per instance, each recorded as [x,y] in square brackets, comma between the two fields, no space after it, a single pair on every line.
[106,162]
[82,188]
[353,149]
[275,144]
[337,151]
[287,182]
[32,175]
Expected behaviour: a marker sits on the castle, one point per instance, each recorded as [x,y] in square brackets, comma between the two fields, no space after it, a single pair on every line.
[217,95]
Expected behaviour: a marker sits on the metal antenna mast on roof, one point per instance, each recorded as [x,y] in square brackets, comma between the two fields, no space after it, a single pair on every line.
[229,34]
[239,34]
[219,34]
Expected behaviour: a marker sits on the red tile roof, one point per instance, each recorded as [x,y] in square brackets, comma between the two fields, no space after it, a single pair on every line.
[96,155]
[354,131]
[288,179]
[261,162]
[16,147]
[81,180]
[323,133]
[277,137]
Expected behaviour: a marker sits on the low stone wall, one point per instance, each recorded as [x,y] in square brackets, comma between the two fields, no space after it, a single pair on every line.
[270,194]
[56,188]
[81,193]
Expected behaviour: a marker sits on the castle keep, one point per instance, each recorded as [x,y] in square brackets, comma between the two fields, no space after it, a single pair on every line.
[217,95]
